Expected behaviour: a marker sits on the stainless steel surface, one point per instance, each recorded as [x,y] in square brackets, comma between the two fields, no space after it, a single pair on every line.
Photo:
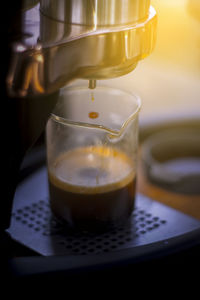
[96,12]
[53,53]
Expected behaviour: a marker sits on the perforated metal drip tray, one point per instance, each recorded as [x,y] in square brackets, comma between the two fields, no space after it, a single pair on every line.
[34,226]
[151,223]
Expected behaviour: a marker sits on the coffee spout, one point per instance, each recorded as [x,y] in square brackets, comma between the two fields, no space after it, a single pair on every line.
[92,84]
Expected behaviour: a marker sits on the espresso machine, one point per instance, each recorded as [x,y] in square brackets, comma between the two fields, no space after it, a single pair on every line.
[48,45]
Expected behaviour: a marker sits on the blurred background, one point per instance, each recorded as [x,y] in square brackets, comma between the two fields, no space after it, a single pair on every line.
[168,81]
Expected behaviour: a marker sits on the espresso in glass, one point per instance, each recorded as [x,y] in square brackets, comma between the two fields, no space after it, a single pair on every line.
[92,188]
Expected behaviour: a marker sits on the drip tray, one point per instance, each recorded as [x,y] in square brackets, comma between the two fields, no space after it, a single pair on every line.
[151,223]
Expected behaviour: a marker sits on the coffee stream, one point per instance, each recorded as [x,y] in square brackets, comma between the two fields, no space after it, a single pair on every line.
[92,85]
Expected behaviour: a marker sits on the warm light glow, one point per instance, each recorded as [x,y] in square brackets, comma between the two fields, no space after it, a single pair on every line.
[177,34]
[168,81]
[39,58]
[95,15]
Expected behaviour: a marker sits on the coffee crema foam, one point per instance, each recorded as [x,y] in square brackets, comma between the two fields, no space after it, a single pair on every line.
[93,169]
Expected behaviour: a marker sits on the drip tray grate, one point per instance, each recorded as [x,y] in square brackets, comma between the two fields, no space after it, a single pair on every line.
[33,225]
[37,218]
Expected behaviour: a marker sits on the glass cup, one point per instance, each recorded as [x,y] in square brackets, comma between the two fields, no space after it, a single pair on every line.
[92,141]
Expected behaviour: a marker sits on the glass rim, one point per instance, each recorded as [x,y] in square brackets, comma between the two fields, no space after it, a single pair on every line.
[68,122]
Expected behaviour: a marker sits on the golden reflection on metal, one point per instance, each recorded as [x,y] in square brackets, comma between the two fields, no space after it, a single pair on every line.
[106,12]
[115,39]
[31,80]
[95,15]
